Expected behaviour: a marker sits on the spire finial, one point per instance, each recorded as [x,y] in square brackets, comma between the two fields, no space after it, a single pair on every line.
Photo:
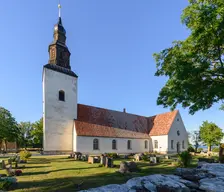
[59,9]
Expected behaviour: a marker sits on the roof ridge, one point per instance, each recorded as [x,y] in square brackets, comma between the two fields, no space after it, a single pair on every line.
[113,110]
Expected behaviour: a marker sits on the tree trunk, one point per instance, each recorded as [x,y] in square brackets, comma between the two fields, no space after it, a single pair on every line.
[209,148]
[6,146]
[196,149]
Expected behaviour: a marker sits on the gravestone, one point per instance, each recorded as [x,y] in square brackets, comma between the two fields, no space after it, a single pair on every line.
[154,159]
[221,153]
[18,159]
[109,162]
[9,170]
[103,160]
[84,157]
[72,155]
[2,164]
[167,157]
[137,157]
[92,159]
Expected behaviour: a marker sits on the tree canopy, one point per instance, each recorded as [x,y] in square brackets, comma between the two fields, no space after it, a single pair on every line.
[37,133]
[210,134]
[195,66]
[8,127]
[26,137]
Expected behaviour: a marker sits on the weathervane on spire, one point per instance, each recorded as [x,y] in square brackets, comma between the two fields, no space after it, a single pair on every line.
[59,8]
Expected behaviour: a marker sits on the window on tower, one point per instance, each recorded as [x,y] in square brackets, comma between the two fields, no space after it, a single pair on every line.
[61,95]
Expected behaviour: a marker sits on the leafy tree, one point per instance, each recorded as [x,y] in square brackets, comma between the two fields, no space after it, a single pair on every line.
[195,66]
[26,137]
[8,127]
[210,134]
[37,133]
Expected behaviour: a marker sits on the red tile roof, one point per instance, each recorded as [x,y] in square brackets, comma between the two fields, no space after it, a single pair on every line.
[161,123]
[94,130]
[94,121]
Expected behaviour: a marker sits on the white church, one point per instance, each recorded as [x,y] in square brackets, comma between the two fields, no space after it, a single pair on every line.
[73,127]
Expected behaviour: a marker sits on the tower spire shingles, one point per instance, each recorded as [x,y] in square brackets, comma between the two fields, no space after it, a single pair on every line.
[58,51]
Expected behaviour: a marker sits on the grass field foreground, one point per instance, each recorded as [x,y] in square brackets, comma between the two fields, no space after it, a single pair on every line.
[60,173]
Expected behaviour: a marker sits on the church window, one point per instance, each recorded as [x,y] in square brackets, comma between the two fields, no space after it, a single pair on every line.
[61,95]
[183,145]
[146,144]
[114,144]
[172,147]
[156,144]
[129,144]
[178,133]
[95,144]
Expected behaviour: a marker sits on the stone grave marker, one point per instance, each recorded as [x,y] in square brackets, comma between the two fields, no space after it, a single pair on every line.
[18,159]
[109,162]
[137,157]
[103,160]
[2,164]
[154,159]
[84,157]
[92,159]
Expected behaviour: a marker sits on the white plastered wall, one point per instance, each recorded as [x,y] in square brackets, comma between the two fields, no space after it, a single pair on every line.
[58,116]
[85,145]
[177,125]
[162,143]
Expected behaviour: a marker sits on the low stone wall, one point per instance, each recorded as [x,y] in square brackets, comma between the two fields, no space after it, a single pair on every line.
[206,178]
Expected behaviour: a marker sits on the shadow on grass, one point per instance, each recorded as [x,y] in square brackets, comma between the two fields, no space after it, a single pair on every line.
[72,183]
[39,161]
[57,170]
[64,184]
[33,167]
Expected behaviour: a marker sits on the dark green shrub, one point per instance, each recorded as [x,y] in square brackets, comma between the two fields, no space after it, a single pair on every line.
[184,158]
[13,159]
[200,149]
[190,149]
[112,155]
[24,155]
[145,157]
[5,185]
[215,149]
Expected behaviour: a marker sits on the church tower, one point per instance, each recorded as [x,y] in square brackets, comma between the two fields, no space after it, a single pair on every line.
[59,95]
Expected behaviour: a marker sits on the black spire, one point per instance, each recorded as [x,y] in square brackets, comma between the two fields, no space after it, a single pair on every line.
[58,51]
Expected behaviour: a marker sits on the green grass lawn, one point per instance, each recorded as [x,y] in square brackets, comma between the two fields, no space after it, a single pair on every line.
[59,173]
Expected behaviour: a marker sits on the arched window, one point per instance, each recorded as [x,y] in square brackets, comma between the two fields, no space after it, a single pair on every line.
[95,144]
[156,144]
[129,144]
[114,144]
[178,132]
[183,145]
[146,144]
[61,95]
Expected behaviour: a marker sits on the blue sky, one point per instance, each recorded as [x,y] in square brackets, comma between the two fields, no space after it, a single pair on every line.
[111,42]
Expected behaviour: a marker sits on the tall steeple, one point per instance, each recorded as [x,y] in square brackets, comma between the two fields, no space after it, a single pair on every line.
[58,51]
